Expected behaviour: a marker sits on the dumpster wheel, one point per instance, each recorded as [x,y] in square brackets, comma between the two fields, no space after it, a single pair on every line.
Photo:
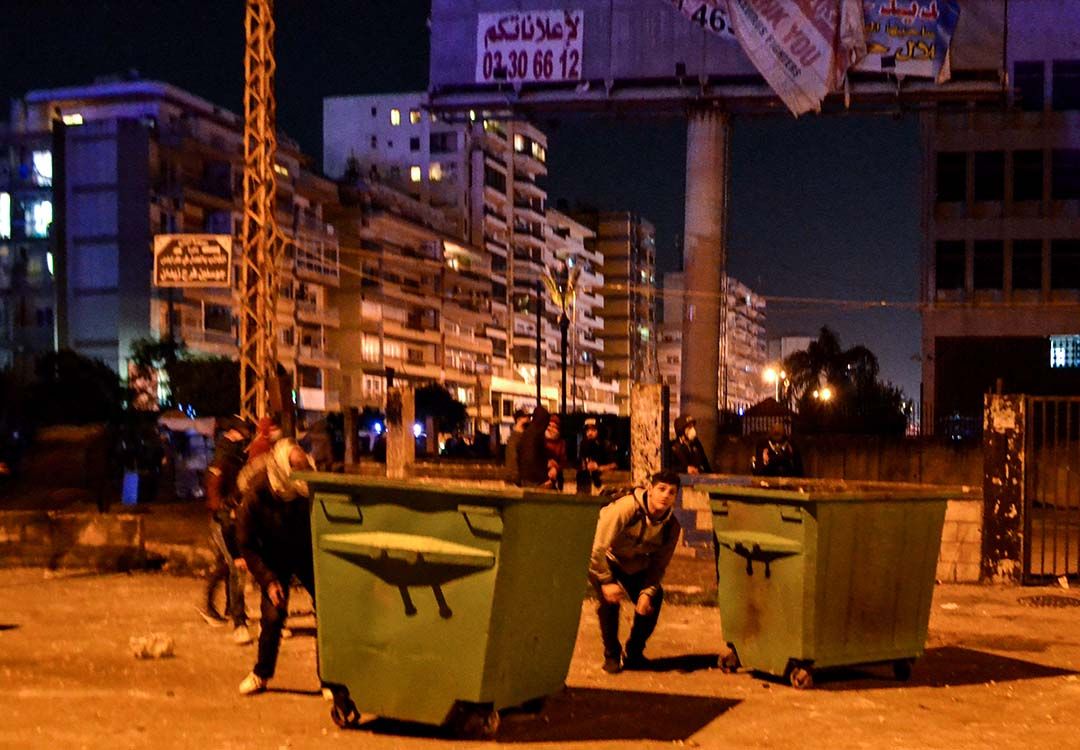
[344,712]
[473,720]
[729,662]
[801,677]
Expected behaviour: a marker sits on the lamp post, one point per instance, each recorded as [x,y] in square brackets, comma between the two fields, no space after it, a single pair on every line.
[772,376]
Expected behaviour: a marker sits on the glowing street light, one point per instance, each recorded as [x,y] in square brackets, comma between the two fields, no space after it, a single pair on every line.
[823,394]
[774,377]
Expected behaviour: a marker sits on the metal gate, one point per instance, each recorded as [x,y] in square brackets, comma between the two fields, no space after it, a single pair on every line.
[1052,489]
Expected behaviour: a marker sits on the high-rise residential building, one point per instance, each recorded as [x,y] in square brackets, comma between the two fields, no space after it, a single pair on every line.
[415,302]
[134,159]
[742,350]
[1001,208]
[27,258]
[570,252]
[627,243]
[486,177]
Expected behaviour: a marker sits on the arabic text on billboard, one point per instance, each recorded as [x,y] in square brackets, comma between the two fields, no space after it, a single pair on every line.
[543,45]
[908,38]
[192,260]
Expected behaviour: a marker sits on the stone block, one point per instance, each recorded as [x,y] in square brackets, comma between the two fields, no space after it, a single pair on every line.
[965,510]
[693,499]
[950,552]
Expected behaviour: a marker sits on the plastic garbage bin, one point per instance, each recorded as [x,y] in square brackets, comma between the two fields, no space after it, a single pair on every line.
[821,573]
[441,604]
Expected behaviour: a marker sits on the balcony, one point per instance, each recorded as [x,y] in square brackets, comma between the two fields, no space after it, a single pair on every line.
[316,356]
[402,331]
[476,344]
[309,311]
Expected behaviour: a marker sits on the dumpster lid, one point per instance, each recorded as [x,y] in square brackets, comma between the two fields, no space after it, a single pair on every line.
[790,489]
[449,490]
[412,548]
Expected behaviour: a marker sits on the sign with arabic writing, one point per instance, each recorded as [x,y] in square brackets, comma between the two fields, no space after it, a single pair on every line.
[192,260]
[801,47]
[909,38]
[544,45]
[710,15]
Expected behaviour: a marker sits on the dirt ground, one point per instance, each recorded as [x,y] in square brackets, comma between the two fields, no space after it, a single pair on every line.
[996,674]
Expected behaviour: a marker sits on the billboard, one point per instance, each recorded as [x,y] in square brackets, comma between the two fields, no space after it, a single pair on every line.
[648,53]
[192,260]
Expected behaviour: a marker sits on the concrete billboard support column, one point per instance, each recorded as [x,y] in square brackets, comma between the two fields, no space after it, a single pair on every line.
[704,260]
[400,441]
[647,430]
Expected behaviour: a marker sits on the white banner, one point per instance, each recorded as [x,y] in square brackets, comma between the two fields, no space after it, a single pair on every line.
[544,45]
[710,15]
[803,48]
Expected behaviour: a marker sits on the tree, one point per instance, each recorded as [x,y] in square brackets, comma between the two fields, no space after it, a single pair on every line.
[435,401]
[859,402]
[209,385]
[72,389]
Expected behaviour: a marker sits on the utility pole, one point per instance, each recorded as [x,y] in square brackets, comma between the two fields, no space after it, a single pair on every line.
[261,240]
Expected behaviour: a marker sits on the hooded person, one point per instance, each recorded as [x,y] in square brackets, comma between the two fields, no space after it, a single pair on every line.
[687,453]
[532,450]
[274,534]
[776,455]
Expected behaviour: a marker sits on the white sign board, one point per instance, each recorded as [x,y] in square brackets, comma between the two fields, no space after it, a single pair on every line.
[531,46]
[192,260]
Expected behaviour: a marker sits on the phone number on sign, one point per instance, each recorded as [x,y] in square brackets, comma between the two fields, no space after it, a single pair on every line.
[535,65]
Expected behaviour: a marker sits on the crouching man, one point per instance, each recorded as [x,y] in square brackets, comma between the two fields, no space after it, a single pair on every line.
[635,539]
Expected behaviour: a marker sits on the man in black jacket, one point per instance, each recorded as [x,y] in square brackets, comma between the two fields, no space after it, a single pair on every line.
[532,451]
[274,534]
[687,453]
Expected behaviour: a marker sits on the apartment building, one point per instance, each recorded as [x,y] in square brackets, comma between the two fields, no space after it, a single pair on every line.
[743,349]
[415,302]
[485,176]
[133,159]
[27,260]
[627,243]
[1001,207]
[571,254]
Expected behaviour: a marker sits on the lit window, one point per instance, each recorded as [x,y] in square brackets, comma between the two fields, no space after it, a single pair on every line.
[414,173]
[1065,351]
[472,115]
[42,167]
[435,172]
[414,116]
[281,170]
[72,119]
[538,152]
[433,117]
[519,142]
[5,216]
[395,117]
[50,263]
[38,217]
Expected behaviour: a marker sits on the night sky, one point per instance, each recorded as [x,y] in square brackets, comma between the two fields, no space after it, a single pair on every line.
[821,207]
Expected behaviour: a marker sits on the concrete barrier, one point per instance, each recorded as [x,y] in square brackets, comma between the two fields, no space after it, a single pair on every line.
[59,539]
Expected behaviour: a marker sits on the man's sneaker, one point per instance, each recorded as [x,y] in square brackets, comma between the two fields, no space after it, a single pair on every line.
[635,660]
[210,618]
[612,664]
[241,635]
[252,684]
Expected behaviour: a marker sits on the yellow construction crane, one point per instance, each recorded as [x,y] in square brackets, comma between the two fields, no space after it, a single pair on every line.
[262,241]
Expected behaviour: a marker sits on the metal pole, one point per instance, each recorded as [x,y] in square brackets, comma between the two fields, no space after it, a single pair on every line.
[564,325]
[539,338]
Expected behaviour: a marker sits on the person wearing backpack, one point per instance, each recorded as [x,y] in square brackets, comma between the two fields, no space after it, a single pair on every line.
[634,543]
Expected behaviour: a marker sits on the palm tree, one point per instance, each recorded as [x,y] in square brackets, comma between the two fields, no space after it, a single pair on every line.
[825,362]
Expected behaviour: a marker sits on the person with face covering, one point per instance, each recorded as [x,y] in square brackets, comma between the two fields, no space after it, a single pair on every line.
[274,535]
[687,454]
[776,455]
[532,450]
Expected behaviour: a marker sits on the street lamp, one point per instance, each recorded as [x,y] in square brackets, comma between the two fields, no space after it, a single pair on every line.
[823,394]
[773,377]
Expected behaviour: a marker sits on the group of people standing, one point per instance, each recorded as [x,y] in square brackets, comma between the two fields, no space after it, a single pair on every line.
[536,454]
[259,522]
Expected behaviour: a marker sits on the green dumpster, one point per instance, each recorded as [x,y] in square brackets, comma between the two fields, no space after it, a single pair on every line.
[815,574]
[442,604]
